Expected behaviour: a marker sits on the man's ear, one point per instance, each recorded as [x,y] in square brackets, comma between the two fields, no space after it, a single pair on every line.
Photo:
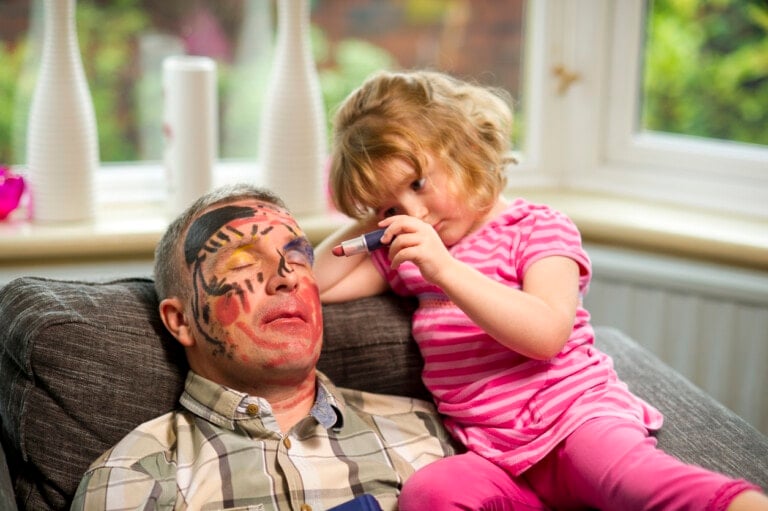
[174,319]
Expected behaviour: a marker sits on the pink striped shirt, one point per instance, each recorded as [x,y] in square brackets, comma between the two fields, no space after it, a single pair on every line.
[500,404]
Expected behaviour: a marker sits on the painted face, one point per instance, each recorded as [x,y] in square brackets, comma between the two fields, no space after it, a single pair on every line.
[255,302]
[432,198]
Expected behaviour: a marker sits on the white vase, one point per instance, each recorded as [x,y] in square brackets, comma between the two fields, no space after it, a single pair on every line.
[62,143]
[292,139]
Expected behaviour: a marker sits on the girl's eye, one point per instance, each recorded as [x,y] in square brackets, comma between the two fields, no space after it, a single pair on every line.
[386,213]
[418,184]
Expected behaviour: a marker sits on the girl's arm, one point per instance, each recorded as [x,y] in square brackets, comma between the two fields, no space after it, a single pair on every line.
[535,321]
[340,279]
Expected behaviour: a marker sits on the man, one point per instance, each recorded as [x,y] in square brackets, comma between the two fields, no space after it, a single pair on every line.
[259,427]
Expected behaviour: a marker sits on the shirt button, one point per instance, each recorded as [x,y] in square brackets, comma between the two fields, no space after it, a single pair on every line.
[306,507]
[252,409]
[287,442]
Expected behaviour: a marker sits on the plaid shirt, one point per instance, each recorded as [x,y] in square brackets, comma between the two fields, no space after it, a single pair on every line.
[224,450]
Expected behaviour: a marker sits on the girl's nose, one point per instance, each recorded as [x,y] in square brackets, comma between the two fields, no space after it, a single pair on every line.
[415,208]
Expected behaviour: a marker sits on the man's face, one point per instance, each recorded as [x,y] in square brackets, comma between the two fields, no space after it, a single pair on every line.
[254,304]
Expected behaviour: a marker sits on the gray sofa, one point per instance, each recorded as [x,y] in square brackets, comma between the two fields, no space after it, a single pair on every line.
[83,363]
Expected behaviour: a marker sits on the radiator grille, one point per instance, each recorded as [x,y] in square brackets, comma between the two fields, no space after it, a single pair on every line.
[709,322]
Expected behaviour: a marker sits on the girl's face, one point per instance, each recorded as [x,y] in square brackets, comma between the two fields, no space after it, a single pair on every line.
[434,198]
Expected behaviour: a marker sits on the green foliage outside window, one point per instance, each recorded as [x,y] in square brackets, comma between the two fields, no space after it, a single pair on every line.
[105,52]
[706,69]
[11,61]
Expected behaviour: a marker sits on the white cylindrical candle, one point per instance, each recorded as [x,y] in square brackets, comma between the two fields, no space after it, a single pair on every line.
[190,128]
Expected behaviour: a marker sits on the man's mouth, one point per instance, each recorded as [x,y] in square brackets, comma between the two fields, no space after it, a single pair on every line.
[284,314]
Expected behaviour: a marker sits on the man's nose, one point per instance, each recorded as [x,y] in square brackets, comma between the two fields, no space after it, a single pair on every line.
[284,279]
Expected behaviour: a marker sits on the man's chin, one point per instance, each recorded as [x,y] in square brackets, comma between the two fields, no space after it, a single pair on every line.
[295,352]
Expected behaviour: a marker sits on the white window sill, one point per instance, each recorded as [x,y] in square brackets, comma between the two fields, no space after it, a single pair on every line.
[619,222]
[131,216]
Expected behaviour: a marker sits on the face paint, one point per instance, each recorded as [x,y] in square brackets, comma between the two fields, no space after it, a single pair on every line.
[301,246]
[204,227]
[228,252]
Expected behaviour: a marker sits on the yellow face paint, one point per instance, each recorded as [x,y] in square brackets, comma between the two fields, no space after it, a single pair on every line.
[242,257]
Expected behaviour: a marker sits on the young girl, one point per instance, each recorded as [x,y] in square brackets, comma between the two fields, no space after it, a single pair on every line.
[507,345]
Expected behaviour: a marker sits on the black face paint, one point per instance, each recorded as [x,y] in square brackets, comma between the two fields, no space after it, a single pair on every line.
[199,238]
[204,227]
[282,267]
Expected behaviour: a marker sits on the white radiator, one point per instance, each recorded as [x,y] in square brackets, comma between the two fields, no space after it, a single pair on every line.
[709,322]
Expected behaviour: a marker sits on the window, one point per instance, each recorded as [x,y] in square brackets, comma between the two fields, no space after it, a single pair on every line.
[702,73]
[350,39]
[687,168]
[586,77]
[584,94]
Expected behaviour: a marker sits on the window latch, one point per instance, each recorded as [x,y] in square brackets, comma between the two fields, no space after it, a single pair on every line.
[565,78]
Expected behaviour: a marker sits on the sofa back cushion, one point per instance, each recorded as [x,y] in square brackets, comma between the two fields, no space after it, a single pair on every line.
[83,363]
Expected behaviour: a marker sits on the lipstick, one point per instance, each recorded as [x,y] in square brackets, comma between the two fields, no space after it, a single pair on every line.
[365,243]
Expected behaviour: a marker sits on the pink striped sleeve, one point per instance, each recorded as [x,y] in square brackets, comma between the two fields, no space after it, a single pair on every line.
[545,232]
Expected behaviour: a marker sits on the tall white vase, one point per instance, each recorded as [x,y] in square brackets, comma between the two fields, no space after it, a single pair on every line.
[292,140]
[62,143]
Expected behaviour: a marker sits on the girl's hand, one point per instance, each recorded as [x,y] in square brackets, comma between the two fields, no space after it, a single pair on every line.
[340,279]
[411,239]
[535,321]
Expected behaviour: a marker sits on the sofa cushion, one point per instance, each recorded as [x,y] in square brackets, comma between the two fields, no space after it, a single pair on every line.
[368,345]
[697,429]
[83,363]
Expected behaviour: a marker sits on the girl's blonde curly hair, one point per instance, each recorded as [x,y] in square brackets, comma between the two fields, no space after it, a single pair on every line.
[409,114]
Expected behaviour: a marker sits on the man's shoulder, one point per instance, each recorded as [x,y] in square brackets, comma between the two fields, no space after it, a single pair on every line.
[410,428]
[385,405]
[147,440]
[129,473]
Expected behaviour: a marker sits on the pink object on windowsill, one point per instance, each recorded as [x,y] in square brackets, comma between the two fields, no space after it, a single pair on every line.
[11,188]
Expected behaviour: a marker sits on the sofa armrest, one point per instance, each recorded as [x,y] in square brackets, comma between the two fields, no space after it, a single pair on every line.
[697,428]
[7,499]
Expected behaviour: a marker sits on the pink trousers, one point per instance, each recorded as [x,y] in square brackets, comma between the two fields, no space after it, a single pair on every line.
[606,464]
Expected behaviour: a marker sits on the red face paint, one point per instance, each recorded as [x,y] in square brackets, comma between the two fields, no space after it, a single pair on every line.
[227,310]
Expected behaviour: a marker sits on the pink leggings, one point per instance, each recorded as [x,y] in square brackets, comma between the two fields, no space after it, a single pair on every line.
[606,464]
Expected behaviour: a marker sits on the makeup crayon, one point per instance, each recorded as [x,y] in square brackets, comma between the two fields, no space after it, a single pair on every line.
[365,243]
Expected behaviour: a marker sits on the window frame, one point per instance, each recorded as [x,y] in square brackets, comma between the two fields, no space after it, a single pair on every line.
[601,41]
